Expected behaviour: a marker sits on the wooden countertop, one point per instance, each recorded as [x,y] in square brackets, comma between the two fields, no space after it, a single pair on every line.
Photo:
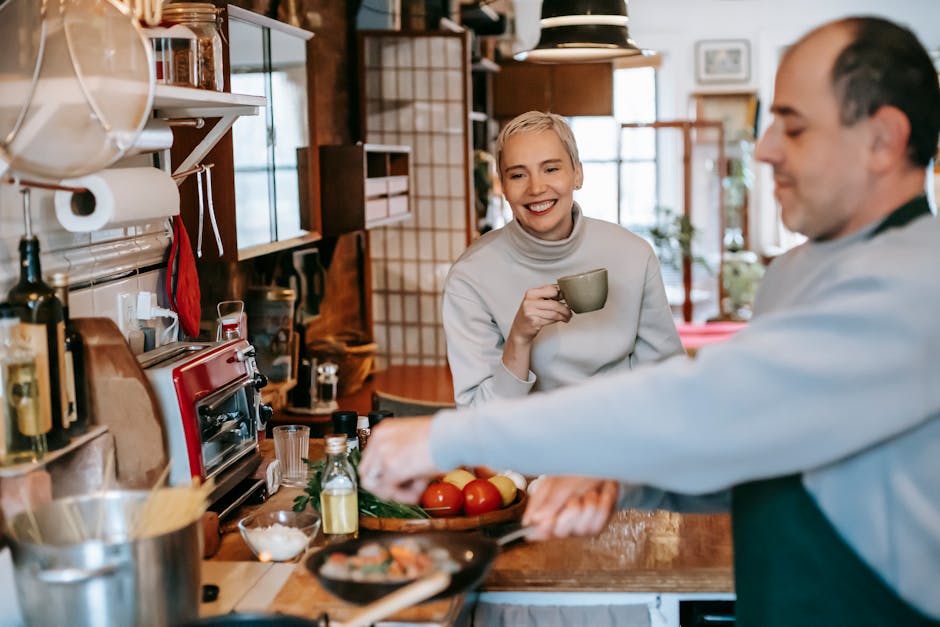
[638,552]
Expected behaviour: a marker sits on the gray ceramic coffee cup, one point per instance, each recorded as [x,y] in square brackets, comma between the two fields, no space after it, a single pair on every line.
[585,291]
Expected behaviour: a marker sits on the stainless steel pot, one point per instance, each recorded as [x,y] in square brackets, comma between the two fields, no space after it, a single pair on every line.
[86,569]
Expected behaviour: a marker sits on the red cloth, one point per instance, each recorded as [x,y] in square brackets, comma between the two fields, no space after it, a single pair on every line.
[695,335]
[182,281]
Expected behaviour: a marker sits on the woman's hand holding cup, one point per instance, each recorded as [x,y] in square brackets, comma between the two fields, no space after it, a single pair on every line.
[540,307]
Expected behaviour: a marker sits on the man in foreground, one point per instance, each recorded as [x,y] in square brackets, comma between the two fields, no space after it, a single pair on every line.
[822,417]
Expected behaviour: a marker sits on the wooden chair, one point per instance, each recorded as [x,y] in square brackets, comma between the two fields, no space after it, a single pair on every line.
[402,406]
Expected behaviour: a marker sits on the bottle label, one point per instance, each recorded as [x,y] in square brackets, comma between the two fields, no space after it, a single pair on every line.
[63,378]
[71,415]
[22,398]
[34,336]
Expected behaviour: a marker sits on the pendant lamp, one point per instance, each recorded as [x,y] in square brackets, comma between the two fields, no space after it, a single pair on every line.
[582,31]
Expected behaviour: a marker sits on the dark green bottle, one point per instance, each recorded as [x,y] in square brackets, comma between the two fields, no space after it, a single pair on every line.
[43,327]
[74,366]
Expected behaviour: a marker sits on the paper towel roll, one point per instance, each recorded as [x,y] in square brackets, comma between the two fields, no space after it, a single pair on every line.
[117,196]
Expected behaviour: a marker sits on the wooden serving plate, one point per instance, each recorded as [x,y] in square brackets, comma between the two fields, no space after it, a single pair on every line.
[510,513]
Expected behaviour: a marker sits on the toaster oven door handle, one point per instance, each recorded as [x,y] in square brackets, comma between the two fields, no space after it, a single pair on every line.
[212,407]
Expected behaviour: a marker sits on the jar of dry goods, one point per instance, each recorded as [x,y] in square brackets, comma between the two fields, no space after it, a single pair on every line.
[203,19]
[174,55]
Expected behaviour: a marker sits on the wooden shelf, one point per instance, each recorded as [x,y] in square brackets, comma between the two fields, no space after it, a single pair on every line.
[24,469]
[368,187]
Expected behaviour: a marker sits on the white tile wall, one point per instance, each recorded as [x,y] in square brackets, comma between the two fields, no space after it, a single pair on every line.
[92,260]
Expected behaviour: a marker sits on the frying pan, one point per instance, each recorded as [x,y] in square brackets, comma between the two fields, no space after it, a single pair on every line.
[473,552]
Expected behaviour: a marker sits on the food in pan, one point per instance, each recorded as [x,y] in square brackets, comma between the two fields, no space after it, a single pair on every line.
[400,560]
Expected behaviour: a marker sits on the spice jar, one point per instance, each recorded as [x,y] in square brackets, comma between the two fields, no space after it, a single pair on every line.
[174,55]
[203,19]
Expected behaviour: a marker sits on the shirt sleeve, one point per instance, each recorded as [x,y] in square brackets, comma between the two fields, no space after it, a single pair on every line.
[475,353]
[656,337]
[844,369]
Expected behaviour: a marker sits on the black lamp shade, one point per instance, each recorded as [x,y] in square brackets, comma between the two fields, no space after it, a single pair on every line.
[582,30]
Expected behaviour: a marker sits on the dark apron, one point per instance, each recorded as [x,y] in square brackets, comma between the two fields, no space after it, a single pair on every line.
[791,566]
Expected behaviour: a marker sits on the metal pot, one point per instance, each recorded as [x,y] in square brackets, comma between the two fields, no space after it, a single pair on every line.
[87,569]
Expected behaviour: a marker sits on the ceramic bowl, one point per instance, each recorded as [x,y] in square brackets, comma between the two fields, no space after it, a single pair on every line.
[279,536]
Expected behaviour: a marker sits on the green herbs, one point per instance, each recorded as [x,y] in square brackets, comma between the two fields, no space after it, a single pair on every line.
[369,504]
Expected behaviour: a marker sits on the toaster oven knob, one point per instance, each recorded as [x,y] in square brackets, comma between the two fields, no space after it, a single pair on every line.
[265,413]
[259,381]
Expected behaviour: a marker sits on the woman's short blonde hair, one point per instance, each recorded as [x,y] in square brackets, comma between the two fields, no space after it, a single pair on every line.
[536,122]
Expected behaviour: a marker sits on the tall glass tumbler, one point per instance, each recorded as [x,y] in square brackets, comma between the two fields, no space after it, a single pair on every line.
[291,445]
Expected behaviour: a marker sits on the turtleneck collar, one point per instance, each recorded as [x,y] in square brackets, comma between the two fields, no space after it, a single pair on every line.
[530,247]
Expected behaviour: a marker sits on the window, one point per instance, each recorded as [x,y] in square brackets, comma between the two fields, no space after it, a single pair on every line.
[624,161]
[621,174]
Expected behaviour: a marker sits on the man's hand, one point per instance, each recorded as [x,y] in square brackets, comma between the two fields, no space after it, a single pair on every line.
[397,463]
[566,506]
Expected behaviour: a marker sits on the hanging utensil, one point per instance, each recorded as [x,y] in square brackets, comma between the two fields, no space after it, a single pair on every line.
[212,219]
[202,215]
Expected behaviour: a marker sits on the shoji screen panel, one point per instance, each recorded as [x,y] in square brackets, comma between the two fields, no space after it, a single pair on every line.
[416,92]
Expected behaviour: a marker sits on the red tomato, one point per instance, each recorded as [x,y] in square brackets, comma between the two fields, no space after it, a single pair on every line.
[480,496]
[442,499]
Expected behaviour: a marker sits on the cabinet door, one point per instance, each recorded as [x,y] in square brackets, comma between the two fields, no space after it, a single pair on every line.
[289,131]
[272,170]
[251,145]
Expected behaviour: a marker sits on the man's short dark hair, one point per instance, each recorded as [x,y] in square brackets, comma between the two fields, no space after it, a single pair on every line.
[885,64]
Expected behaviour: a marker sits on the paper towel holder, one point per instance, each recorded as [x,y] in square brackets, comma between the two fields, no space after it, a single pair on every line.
[178,177]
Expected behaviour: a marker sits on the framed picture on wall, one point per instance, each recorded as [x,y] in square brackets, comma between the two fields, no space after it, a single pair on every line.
[723,61]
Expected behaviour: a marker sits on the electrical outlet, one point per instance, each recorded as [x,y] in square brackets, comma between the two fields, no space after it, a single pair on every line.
[127,312]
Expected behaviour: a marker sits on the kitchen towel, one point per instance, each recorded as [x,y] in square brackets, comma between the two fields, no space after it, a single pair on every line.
[115,197]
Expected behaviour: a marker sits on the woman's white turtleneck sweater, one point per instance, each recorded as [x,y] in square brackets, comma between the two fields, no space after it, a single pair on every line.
[487,284]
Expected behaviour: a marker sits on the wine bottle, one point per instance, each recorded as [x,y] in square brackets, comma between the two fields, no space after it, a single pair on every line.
[23,435]
[73,370]
[44,328]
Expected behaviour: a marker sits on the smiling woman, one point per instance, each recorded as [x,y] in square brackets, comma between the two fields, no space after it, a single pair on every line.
[500,347]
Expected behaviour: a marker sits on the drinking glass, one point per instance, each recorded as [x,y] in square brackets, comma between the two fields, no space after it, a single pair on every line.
[230,320]
[291,446]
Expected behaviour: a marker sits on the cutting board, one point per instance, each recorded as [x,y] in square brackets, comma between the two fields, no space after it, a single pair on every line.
[243,586]
[121,398]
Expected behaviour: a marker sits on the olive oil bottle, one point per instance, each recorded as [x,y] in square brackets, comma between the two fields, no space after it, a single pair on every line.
[23,432]
[339,492]
[43,326]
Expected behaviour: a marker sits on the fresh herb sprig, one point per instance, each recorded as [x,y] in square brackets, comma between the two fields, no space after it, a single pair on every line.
[369,504]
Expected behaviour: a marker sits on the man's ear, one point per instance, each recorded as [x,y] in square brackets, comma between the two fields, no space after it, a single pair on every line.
[891,130]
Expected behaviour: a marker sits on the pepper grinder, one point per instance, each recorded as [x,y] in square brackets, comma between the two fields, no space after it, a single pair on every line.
[327,381]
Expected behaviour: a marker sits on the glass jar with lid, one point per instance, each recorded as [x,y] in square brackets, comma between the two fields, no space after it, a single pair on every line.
[203,19]
[174,55]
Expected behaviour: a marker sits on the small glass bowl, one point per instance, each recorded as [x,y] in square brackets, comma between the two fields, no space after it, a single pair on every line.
[279,536]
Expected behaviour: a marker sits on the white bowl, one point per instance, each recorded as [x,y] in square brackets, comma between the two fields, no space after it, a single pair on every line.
[279,536]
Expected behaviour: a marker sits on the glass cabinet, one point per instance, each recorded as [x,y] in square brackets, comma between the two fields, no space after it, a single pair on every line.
[265,180]
[271,173]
